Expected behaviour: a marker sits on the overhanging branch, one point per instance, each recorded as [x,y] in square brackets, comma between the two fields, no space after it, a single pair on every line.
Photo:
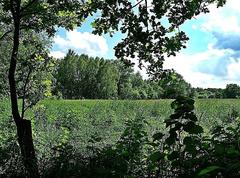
[5,34]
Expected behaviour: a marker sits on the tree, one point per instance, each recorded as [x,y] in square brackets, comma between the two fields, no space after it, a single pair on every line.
[209,92]
[146,37]
[70,75]
[124,82]
[232,91]
[4,46]
[80,76]
[174,85]
[107,79]
[39,16]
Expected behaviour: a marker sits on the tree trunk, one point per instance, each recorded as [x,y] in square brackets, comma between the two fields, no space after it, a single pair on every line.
[25,140]
[24,130]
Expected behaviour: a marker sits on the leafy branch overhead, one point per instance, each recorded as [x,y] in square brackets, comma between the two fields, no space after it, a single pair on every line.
[152,28]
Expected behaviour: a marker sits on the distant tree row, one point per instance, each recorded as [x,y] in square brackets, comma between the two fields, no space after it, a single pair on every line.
[231,91]
[80,76]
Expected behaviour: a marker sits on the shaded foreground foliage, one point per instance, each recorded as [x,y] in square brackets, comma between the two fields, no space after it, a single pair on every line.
[105,140]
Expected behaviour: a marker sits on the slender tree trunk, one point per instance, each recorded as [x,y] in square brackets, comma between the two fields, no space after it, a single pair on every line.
[24,130]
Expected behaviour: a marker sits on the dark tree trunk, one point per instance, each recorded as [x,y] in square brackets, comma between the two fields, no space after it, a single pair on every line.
[24,130]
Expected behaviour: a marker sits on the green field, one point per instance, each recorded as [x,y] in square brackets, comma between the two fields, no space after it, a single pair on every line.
[90,125]
[209,111]
[108,116]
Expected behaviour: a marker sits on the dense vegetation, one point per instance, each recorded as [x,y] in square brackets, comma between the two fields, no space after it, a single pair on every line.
[84,138]
[83,77]
[230,91]
[118,139]
[80,76]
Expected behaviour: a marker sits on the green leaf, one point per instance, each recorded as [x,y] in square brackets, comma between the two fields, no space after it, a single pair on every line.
[192,128]
[170,141]
[220,149]
[188,140]
[173,155]
[157,136]
[153,144]
[208,170]
[156,156]
[232,152]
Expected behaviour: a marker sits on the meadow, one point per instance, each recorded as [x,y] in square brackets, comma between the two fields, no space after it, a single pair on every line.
[108,117]
[87,126]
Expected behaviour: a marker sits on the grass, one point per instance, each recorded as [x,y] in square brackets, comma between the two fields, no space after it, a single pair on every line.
[209,111]
[88,124]
[106,118]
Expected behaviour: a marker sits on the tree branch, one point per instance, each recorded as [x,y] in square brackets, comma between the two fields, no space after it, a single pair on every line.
[139,2]
[15,10]
[5,34]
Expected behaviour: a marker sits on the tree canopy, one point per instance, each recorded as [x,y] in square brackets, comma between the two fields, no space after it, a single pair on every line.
[81,76]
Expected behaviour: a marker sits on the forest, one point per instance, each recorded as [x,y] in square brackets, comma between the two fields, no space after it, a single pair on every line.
[91,117]
[83,77]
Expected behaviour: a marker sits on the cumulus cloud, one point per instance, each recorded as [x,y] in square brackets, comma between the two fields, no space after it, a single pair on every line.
[212,68]
[224,19]
[217,65]
[57,54]
[220,63]
[227,41]
[81,42]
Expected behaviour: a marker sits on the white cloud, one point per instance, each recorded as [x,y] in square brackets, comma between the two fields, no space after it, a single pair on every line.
[82,42]
[234,70]
[57,54]
[234,5]
[223,19]
[186,65]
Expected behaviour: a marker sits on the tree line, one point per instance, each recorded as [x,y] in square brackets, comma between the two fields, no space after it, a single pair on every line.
[230,91]
[81,76]
[84,77]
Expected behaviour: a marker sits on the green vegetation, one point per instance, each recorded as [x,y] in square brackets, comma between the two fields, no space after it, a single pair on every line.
[80,131]
[122,139]
[80,76]
[231,91]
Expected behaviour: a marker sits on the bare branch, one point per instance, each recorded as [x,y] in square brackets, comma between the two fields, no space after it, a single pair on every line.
[139,2]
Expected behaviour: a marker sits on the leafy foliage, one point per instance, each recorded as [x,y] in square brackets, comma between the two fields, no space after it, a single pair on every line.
[147,38]
[86,142]
[80,76]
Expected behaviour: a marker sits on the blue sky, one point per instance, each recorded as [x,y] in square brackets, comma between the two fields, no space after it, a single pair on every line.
[211,59]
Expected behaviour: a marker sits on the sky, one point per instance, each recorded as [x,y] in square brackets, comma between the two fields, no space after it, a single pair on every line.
[211,59]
